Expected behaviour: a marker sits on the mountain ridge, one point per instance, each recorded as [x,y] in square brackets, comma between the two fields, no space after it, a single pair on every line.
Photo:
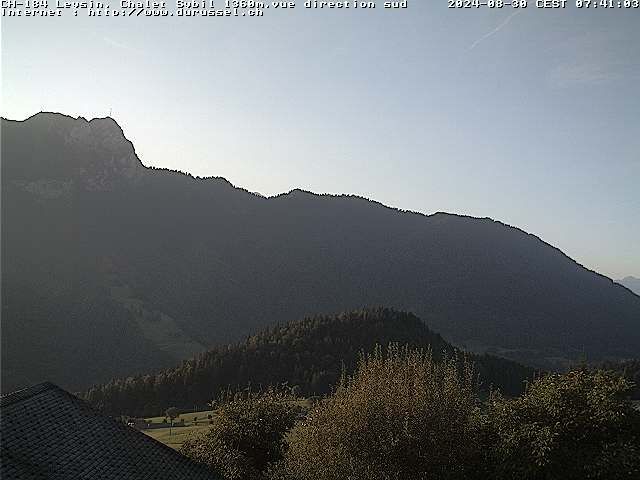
[302,190]
[182,261]
[293,190]
[631,283]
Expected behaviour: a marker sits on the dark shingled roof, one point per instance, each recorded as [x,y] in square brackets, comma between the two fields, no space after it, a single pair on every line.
[47,433]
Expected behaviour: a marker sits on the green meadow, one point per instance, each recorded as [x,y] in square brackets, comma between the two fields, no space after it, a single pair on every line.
[175,436]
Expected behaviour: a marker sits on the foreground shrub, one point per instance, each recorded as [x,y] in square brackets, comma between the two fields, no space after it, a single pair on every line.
[401,416]
[245,436]
[574,426]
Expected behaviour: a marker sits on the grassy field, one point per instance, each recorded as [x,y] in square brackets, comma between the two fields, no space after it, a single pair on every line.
[179,432]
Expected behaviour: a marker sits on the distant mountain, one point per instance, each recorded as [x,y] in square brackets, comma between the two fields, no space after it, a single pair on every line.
[111,268]
[632,283]
[307,355]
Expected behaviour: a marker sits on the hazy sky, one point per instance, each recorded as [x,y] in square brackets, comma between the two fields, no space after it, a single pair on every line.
[532,118]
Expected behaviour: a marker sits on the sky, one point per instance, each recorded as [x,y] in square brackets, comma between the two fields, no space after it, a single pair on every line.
[529,117]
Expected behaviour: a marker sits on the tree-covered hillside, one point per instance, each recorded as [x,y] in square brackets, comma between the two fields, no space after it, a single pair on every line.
[184,264]
[307,355]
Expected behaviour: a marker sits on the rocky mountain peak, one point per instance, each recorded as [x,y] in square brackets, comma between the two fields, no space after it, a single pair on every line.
[89,154]
[115,157]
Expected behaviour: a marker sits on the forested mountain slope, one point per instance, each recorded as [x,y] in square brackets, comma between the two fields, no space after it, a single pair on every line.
[308,356]
[110,268]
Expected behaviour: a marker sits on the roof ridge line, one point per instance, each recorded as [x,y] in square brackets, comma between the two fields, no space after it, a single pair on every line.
[20,395]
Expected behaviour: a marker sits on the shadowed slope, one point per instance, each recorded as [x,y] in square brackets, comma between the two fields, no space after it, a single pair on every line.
[85,221]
